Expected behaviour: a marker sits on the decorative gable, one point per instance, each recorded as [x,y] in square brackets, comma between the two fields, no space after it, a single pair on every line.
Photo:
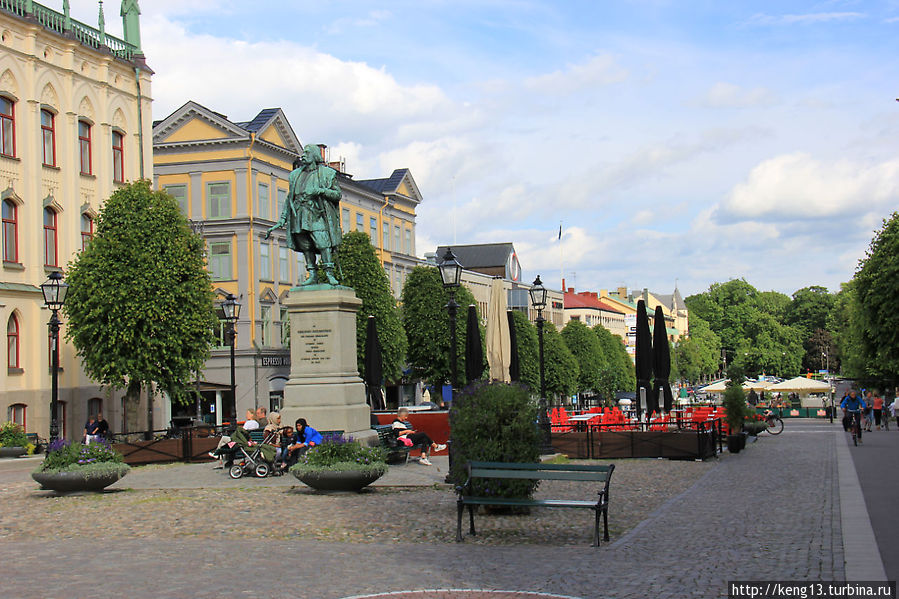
[278,132]
[195,123]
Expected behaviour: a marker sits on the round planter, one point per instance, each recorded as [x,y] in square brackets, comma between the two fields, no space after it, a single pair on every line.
[11,452]
[350,480]
[72,482]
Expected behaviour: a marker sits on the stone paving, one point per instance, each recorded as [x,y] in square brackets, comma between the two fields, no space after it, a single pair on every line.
[771,512]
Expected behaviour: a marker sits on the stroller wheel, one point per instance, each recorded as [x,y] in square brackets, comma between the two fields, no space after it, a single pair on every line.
[263,470]
[236,471]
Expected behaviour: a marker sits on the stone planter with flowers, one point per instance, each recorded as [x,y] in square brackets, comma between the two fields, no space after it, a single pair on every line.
[73,467]
[340,464]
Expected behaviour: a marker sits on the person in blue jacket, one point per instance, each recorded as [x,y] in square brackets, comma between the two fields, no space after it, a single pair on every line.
[304,438]
[853,406]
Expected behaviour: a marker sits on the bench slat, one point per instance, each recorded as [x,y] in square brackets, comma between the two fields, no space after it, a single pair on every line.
[538,475]
[529,502]
[541,466]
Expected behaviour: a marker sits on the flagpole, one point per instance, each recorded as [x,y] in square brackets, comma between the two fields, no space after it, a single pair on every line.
[561,269]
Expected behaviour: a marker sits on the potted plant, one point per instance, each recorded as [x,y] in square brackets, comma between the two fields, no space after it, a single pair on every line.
[340,464]
[70,467]
[13,441]
[735,409]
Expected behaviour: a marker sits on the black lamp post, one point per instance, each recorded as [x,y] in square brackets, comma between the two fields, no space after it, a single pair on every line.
[538,300]
[54,291]
[451,274]
[231,312]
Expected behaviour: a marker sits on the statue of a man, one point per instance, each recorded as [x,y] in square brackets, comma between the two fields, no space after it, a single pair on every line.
[311,213]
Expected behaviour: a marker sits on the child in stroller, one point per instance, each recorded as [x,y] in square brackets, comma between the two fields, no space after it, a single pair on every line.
[243,457]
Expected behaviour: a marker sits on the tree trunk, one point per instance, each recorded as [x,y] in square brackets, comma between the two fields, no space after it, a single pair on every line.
[132,407]
[150,393]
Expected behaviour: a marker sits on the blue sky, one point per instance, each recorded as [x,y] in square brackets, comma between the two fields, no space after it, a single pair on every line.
[691,141]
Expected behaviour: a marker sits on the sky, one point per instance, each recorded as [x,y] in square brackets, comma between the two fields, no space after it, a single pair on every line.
[675,143]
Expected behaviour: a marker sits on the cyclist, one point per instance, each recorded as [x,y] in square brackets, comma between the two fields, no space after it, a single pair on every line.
[854,406]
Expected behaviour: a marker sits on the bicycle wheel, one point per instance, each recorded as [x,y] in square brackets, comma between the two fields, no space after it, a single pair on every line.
[775,425]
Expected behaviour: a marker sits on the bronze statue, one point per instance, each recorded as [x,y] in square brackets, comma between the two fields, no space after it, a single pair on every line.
[311,213]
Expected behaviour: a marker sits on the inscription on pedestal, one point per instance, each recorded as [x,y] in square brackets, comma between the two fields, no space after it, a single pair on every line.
[316,344]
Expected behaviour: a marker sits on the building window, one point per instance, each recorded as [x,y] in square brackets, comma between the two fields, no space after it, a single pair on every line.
[7,127]
[218,200]
[385,228]
[360,222]
[373,230]
[346,220]
[262,201]
[17,414]
[265,261]
[409,248]
[265,314]
[301,266]
[397,241]
[94,406]
[12,342]
[118,157]
[221,334]
[48,137]
[87,230]
[282,199]
[220,261]
[51,255]
[284,264]
[84,146]
[10,232]
[179,192]
[285,327]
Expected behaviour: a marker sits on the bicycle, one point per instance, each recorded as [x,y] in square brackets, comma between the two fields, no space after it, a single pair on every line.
[774,422]
[856,417]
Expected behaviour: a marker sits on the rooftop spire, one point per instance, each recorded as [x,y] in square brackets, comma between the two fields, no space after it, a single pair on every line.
[131,22]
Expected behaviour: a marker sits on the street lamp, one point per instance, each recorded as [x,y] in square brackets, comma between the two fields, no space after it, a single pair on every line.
[54,291]
[451,274]
[231,312]
[538,300]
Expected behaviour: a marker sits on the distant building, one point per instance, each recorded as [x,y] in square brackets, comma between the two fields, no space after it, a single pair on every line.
[231,180]
[586,307]
[74,126]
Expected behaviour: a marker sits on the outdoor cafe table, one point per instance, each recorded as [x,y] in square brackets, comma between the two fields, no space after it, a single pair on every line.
[580,421]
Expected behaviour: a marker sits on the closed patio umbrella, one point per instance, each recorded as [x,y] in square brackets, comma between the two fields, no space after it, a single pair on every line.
[374,368]
[514,363]
[474,352]
[661,364]
[497,332]
[643,359]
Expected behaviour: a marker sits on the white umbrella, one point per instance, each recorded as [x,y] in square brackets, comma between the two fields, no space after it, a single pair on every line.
[803,385]
[624,402]
[717,387]
[499,348]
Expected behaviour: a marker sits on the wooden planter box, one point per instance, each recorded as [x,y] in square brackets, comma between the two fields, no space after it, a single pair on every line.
[635,444]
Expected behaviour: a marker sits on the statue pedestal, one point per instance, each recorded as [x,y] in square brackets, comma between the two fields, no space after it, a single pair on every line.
[324,385]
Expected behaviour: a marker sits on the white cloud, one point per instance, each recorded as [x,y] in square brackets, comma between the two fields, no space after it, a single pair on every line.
[598,71]
[800,187]
[804,19]
[728,95]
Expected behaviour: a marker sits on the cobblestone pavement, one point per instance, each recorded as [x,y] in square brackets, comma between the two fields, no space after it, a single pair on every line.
[771,512]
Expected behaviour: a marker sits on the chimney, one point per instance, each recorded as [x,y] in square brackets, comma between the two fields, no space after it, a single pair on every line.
[570,290]
[622,292]
[323,149]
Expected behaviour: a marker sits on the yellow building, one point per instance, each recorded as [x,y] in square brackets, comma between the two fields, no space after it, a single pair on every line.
[74,124]
[231,179]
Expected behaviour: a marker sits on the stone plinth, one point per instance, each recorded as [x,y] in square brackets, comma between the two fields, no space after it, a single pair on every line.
[324,385]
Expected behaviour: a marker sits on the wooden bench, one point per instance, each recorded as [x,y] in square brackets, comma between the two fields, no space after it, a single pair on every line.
[389,443]
[35,440]
[570,472]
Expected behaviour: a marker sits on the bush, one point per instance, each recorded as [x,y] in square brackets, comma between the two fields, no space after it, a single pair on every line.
[734,406]
[64,456]
[12,435]
[754,427]
[494,422]
[339,453]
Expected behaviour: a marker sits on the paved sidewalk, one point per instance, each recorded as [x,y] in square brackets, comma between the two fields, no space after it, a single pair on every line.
[771,512]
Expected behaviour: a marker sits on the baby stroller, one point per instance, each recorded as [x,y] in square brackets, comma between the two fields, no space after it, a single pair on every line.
[249,458]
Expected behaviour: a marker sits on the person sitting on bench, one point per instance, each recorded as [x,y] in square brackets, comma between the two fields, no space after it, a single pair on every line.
[403,429]
[304,438]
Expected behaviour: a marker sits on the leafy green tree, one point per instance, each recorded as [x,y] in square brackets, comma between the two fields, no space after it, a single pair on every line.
[618,369]
[774,303]
[426,322]
[361,270]
[528,350]
[877,286]
[699,353]
[140,302]
[809,309]
[844,323]
[560,366]
[821,352]
[587,350]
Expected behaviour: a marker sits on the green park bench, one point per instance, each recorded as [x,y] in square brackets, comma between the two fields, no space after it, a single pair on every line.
[387,440]
[570,472]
